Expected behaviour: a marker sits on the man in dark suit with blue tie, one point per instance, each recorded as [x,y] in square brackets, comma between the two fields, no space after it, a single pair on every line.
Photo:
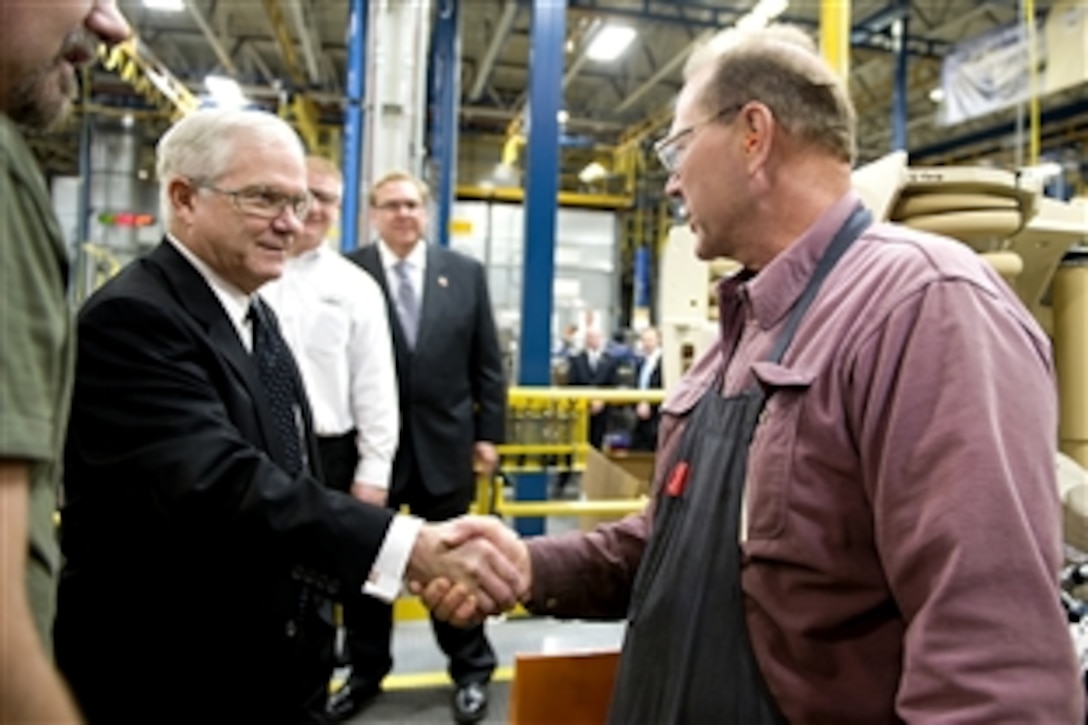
[452,400]
[647,377]
[201,550]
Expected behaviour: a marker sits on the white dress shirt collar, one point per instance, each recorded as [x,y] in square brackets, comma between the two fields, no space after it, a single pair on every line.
[416,259]
[417,266]
[234,301]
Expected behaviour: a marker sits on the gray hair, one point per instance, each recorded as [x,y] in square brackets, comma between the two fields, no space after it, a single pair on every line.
[201,146]
[780,67]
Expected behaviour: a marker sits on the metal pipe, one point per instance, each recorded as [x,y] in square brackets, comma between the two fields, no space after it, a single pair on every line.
[900,90]
[305,26]
[498,39]
[213,39]
[664,71]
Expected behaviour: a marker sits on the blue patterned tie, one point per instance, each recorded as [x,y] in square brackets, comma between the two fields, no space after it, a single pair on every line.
[275,366]
[407,303]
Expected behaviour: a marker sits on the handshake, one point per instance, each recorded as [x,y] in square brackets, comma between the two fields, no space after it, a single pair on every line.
[469,568]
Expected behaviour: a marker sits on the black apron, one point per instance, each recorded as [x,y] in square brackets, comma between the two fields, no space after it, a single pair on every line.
[686,656]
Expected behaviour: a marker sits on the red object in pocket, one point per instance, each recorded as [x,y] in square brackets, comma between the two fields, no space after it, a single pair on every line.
[678,479]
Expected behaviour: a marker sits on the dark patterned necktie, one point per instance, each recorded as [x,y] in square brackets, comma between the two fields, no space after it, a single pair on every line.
[275,366]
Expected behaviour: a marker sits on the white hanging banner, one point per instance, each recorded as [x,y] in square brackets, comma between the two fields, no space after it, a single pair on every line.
[987,74]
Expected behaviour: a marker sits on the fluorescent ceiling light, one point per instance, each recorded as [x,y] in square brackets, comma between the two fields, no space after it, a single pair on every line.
[610,42]
[170,6]
[225,92]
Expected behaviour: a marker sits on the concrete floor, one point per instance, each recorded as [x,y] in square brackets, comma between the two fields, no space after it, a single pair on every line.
[415,652]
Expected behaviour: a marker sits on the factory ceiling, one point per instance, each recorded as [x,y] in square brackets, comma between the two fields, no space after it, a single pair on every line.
[278,49]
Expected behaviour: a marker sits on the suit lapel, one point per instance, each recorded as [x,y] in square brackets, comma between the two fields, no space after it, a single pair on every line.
[196,297]
[436,286]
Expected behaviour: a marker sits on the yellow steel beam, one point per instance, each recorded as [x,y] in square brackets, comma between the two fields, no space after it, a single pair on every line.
[285,41]
[148,77]
[565,198]
[511,149]
[302,108]
[835,35]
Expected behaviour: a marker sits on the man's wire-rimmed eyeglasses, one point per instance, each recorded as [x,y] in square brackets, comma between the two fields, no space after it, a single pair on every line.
[668,150]
[262,201]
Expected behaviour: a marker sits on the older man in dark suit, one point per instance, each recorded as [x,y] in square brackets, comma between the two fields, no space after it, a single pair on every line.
[452,398]
[201,549]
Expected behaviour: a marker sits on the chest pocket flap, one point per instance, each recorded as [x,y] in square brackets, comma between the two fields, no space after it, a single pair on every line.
[771,454]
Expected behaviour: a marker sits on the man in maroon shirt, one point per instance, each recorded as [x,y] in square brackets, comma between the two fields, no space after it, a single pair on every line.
[880,414]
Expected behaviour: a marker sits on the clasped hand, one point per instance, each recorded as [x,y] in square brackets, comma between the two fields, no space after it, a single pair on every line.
[468,568]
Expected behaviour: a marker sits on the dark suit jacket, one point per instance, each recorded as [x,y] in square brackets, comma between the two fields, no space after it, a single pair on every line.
[655,374]
[452,388]
[605,376]
[189,550]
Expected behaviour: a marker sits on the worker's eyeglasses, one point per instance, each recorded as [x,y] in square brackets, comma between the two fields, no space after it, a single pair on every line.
[263,201]
[409,205]
[669,151]
[325,197]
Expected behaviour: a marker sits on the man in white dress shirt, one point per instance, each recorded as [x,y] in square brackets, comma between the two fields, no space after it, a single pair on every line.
[333,316]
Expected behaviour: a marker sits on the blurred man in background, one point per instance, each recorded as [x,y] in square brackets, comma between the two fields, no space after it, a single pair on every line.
[647,377]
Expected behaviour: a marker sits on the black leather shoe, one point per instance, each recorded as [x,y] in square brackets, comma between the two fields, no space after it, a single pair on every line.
[470,703]
[350,699]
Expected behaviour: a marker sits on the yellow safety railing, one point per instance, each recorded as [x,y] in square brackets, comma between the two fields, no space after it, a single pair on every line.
[547,430]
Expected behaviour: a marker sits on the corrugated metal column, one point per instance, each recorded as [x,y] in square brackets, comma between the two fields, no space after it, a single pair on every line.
[547,35]
[899,91]
[446,86]
[353,124]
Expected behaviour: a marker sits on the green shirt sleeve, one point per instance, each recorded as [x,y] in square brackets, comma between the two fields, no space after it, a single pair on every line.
[35,324]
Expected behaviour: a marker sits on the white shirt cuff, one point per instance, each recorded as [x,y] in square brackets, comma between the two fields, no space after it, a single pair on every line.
[374,472]
[387,574]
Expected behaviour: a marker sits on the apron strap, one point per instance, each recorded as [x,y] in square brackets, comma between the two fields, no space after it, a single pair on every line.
[858,222]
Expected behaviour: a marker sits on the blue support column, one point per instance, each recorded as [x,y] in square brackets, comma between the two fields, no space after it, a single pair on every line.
[547,35]
[353,124]
[446,90]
